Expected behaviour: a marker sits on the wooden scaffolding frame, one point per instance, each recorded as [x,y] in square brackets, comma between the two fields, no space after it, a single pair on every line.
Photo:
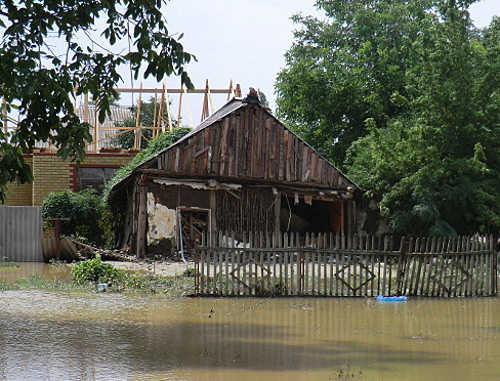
[162,114]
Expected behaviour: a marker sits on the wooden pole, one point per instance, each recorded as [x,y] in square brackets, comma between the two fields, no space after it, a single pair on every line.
[213,211]
[137,140]
[190,118]
[179,110]
[230,93]
[160,120]
[277,214]
[142,223]
[156,115]
[167,105]
[204,111]
[342,217]
[96,128]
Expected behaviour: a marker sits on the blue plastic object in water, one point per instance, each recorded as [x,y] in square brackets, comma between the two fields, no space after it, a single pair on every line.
[382,298]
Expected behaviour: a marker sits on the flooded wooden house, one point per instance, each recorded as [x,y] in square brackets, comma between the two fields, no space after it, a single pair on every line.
[240,170]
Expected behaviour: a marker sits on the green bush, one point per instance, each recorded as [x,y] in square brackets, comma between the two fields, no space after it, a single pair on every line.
[84,210]
[96,271]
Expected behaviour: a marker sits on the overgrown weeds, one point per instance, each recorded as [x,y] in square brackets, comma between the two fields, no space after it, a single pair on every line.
[94,271]
[95,275]
[8,264]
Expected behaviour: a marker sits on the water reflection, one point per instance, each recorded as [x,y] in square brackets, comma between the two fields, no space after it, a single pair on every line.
[54,336]
[11,274]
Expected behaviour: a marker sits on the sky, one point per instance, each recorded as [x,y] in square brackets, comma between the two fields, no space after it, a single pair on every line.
[245,41]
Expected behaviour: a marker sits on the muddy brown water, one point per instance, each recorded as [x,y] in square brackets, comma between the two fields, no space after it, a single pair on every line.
[105,336]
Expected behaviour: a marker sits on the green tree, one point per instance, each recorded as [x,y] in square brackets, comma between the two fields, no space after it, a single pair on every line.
[348,67]
[38,81]
[405,97]
[434,167]
[147,118]
[84,211]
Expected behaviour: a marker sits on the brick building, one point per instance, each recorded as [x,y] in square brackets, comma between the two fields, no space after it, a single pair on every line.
[52,174]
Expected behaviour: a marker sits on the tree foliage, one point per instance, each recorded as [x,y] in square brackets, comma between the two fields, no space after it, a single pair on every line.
[155,146]
[409,106]
[82,213]
[45,60]
[348,67]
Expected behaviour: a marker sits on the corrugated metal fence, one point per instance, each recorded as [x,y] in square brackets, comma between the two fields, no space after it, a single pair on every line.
[21,233]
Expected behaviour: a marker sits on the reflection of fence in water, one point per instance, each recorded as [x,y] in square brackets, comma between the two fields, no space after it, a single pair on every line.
[329,265]
[308,333]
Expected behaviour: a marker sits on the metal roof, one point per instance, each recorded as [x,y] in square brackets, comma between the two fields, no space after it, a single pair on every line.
[117,114]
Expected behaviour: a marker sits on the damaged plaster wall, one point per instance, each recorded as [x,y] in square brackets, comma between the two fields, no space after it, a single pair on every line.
[161,222]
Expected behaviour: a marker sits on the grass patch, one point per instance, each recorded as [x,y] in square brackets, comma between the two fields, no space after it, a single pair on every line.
[94,271]
[3,285]
[93,275]
[142,284]
[8,264]
[36,282]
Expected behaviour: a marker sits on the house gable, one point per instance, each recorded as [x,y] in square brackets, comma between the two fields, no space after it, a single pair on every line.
[248,144]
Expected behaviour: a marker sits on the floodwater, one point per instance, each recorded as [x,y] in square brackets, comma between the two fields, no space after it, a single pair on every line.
[105,336]
[11,275]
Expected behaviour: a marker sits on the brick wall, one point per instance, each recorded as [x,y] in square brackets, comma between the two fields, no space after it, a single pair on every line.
[20,195]
[52,174]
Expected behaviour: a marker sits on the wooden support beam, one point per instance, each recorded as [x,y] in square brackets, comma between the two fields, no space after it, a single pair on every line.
[213,212]
[142,218]
[277,214]
[173,91]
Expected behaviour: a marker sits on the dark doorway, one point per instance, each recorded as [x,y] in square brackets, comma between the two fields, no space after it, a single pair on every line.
[194,224]
[318,216]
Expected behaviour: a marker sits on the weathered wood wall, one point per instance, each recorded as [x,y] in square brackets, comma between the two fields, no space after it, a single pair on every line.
[250,210]
[250,143]
[341,265]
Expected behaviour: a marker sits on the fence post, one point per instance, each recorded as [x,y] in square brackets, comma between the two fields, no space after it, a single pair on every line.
[403,261]
[197,274]
[494,265]
[300,275]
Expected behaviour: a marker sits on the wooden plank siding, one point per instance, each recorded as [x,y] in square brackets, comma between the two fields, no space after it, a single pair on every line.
[261,264]
[250,144]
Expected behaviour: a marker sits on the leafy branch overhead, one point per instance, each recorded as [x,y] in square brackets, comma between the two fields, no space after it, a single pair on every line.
[53,50]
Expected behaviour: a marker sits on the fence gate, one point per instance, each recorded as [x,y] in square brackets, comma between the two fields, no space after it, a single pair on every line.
[21,233]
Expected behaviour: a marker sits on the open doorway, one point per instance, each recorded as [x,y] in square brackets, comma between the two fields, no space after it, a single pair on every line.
[193,224]
[318,216]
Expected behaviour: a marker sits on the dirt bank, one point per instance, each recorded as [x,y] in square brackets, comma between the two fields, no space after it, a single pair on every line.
[163,268]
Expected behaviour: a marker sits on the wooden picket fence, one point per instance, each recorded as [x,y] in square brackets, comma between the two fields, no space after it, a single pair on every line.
[345,265]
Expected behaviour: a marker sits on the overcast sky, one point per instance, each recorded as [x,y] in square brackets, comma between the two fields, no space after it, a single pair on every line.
[245,41]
